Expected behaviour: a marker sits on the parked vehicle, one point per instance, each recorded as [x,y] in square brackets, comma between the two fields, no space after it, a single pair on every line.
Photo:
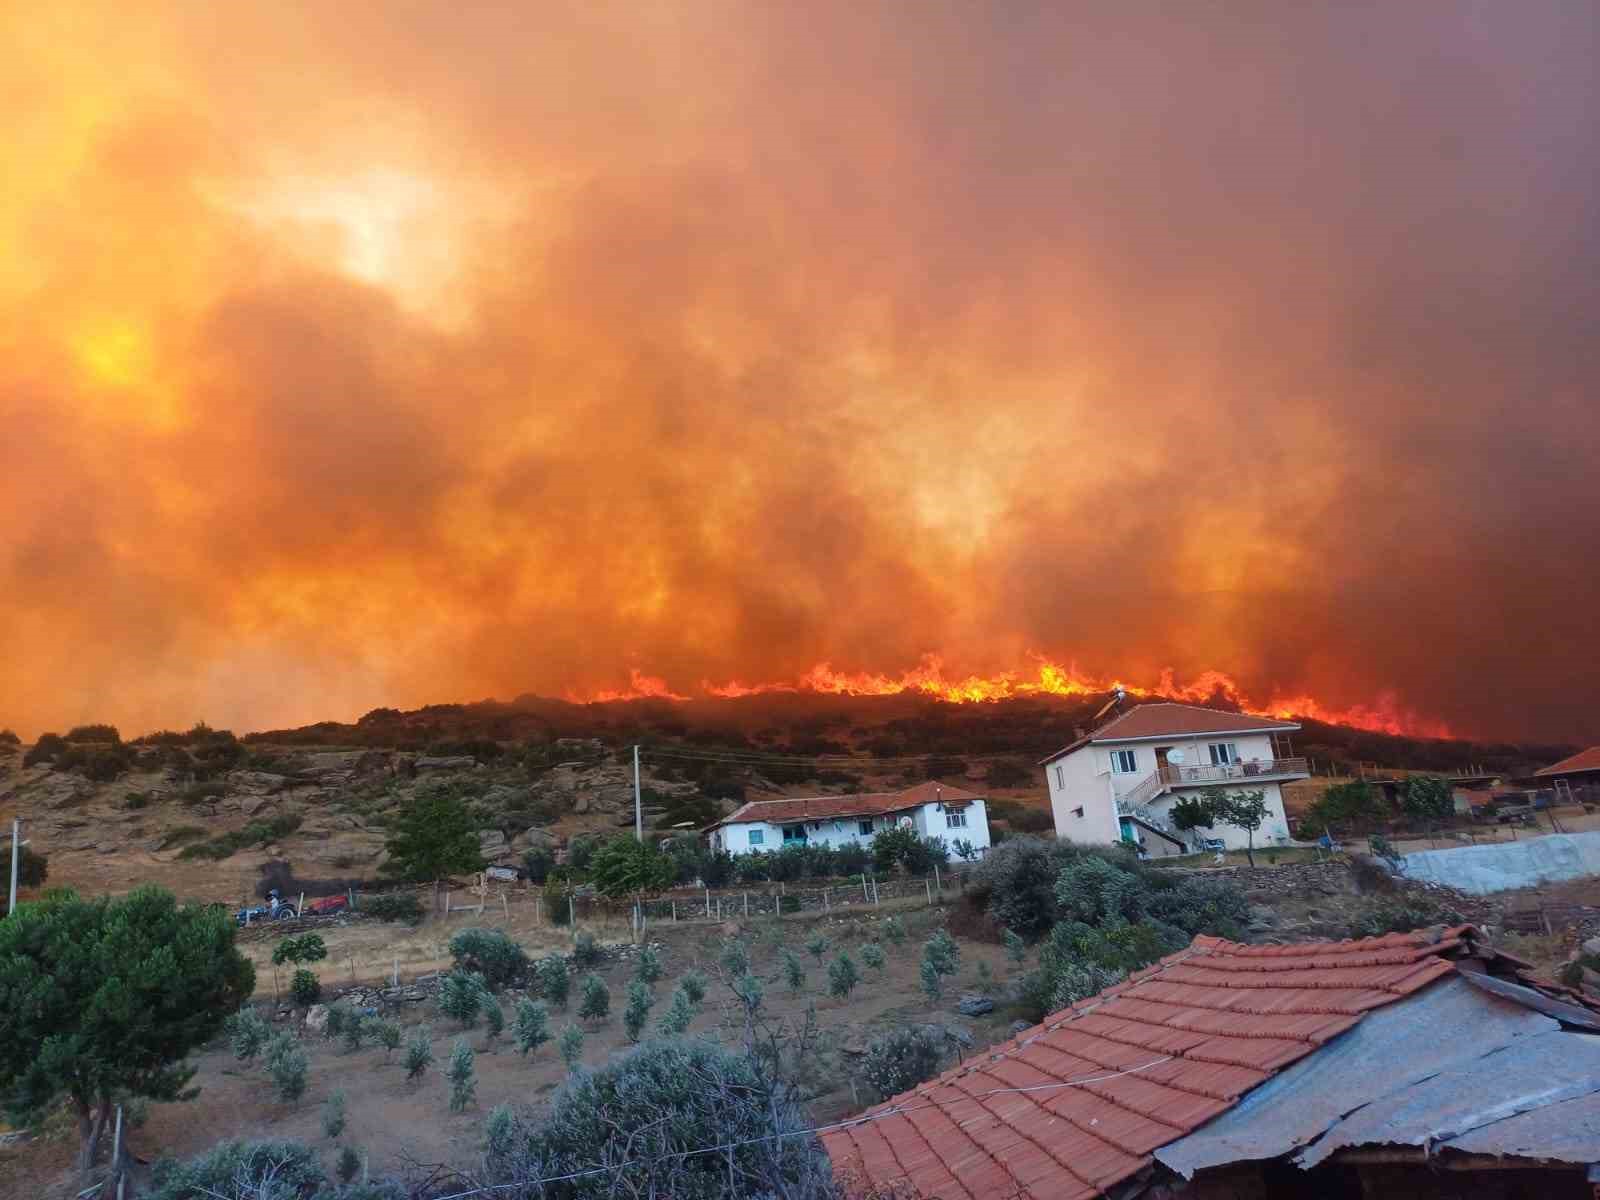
[275,909]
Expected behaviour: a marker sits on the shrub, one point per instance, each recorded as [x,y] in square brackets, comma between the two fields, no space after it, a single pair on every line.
[1402,916]
[894,929]
[872,955]
[748,991]
[537,861]
[338,1014]
[586,952]
[648,968]
[47,749]
[349,1164]
[1016,948]
[1427,797]
[734,957]
[625,866]
[843,975]
[891,846]
[571,1046]
[532,1027]
[675,1020]
[355,1031]
[388,1035]
[580,851]
[716,868]
[942,951]
[304,988]
[393,906]
[494,1017]
[333,1115]
[794,972]
[461,996]
[637,1009]
[463,1077]
[491,953]
[499,1131]
[932,981]
[289,1065]
[817,944]
[309,948]
[694,986]
[558,901]
[554,982]
[247,1033]
[900,1060]
[594,1001]
[647,1111]
[1016,883]
[419,1053]
[239,1170]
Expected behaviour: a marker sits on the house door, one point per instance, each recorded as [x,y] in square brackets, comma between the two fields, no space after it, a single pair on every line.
[1161,763]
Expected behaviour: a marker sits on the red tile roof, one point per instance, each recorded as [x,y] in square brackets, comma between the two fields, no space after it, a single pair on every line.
[1583,760]
[1167,719]
[1074,1106]
[863,804]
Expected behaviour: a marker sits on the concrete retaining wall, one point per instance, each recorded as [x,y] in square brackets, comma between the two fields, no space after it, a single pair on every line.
[1479,870]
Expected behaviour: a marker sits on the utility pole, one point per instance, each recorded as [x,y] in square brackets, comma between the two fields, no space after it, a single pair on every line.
[16,859]
[638,810]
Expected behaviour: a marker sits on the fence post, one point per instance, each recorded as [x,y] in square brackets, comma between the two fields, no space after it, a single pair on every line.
[938,883]
[674,912]
[747,904]
[396,970]
[447,902]
[864,897]
[572,914]
[708,904]
[928,886]
[824,899]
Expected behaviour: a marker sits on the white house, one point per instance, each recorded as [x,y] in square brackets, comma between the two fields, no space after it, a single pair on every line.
[1119,782]
[932,809]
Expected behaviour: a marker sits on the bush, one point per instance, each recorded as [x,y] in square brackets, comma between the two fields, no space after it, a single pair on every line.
[349,1164]
[942,951]
[571,1046]
[310,948]
[1353,803]
[247,1033]
[586,952]
[1402,916]
[499,1131]
[288,1065]
[491,954]
[239,1170]
[872,955]
[675,1020]
[494,1017]
[554,982]
[463,1077]
[648,967]
[625,866]
[532,1027]
[894,929]
[558,901]
[734,957]
[1016,948]
[646,1112]
[747,990]
[637,1009]
[388,1035]
[461,996]
[694,987]
[304,988]
[817,944]
[338,1014]
[47,749]
[843,975]
[716,868]
[931,979]
[794,972]
[537,862]
[355,1031]
[892,846]
[333,1115]
[580,851]
[393,906]
[1016,883]
[594,1001]
[419,1053]
[1428,797]
[900,1060]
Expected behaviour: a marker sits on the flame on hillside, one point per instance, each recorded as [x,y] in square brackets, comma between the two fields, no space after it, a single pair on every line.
[1047,678]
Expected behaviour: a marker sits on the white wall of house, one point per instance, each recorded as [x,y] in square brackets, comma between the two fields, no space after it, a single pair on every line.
[929,820]
[1085,785]
[1274,827]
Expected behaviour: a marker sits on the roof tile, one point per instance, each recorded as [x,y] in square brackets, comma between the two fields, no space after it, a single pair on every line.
[1077,1104]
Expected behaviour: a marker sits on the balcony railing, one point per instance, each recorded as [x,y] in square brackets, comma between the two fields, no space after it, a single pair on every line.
[1185,775]
[1142,792]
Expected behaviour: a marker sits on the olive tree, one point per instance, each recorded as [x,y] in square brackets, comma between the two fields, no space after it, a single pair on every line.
[104,999]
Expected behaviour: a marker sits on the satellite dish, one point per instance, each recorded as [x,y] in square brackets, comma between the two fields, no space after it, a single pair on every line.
[1175,756]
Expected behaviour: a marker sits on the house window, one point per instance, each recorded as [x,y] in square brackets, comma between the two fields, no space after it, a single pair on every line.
[1223,754]
[865,828]
[955,818]
[1061,779]
[794,833]
[1124,762]
[1282,746]
[757,836]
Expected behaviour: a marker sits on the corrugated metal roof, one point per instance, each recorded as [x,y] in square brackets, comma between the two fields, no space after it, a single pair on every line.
[1077,1104]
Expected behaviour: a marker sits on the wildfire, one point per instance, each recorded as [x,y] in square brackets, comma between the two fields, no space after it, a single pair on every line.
[1047,678]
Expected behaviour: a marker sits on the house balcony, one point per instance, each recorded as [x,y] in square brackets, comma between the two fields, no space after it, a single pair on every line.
[1176,775]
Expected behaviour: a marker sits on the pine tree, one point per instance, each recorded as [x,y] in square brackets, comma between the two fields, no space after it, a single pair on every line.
[842,976]
[532,1028]
[594,1004]
[637,1009]
[872,955]
[419,1053]
[571,1046]
[794,972]
[463,1077]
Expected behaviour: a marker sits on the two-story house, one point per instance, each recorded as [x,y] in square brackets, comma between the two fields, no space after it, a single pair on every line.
[1119,782]
[932,809]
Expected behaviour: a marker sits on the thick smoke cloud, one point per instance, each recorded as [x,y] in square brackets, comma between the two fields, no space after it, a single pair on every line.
[375,354]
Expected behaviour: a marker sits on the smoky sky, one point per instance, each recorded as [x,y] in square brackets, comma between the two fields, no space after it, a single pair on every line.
[393,353]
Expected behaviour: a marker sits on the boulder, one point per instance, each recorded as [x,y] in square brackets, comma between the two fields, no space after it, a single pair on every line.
[317,1018]
[255,783]
[972,1004]
[250,805]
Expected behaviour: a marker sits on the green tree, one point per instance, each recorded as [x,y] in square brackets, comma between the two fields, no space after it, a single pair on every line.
[1427,796]
[594,1001]
[532,1027]
[1246,811]
[794,972]
[307,948]
[388,1034]
[554,982]
[931,979]
[461,995]
[433,837]
[694,987]
[872,955]
[625,866]
[1016,948]
[304,988]
[289,1065]
[419,1053]
[843,975]
[571,1046]
[333,1115]
[648,968]
[1192,812]
[675,1020]
[463,1077]
[817,944]
[103,999]
[637,1010]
